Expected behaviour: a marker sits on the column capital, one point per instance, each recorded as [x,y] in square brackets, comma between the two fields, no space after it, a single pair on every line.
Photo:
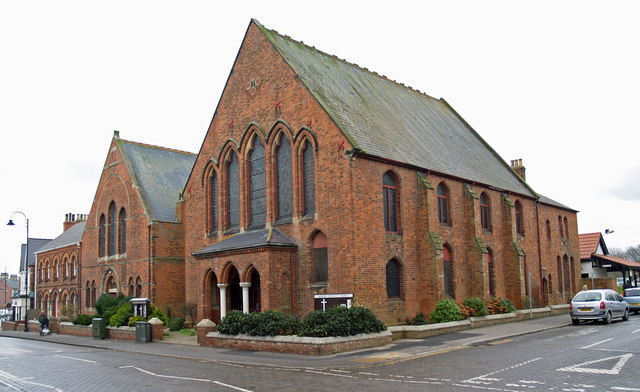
[245,284]
[223,286]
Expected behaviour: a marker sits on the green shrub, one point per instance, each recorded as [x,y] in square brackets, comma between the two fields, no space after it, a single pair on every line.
[122,315]
[268,323]
[133,319]
[82,319]
[478,306]
[505,303]
[188,331]
[340,321]
[233,323]
[157,312]
[446,310]
[176,324]
[419,319]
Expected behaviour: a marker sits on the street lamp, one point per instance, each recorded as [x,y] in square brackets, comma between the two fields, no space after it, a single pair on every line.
[26,270]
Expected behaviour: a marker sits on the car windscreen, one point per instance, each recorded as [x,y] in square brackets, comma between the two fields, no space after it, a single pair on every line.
[632,293]
[587,296]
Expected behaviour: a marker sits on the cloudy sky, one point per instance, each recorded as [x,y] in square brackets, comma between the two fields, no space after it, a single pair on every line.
[554,83]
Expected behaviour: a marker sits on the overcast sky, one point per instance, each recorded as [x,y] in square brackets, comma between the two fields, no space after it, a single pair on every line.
[554,83]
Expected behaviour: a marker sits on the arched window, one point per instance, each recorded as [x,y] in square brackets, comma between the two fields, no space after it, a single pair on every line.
[519,226]
[393,272]
[87,299]
[233,192]
[284,191]
[308,179]
[93,294]
[559,269]
[485,212]
[74,270]
[320,258]
[443,204]
[573,273]
[101,236]
[111,287]
[548,229]
[111,228]
[447,260]
[55,270]
[65,268]
[565,273]
[390,202]
[131,288]
[48,272]
[560,230]
[213,202]
[138,287]
[122,232]
[492,273]
[566,228]
[257,189]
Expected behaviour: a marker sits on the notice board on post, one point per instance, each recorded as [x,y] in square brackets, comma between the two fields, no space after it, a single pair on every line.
[328,301]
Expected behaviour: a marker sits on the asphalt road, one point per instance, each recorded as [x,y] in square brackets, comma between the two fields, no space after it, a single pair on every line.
[588,357]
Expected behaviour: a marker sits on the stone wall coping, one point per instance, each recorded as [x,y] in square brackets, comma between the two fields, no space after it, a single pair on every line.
[122,328]
[155,320]
[69,323]
[536,310]
[429,327]
[301,339]
[560,307]
[499,316]
[206,323]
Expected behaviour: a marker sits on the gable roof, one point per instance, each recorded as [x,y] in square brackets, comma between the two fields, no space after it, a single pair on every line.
[159,174]
[271,238]
[71,236]
[385,119]
[589,244]
[34,245]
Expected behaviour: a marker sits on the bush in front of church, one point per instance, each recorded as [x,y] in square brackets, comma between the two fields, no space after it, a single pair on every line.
[341,321]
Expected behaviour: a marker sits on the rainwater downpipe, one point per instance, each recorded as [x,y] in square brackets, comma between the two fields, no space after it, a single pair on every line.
[149,264]
[293,286]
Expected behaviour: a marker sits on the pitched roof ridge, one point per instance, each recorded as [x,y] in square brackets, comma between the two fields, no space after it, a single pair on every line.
[311,47]
[157,147]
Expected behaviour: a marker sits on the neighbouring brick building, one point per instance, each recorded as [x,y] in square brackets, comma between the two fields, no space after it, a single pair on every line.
[58,283]
[133,241]
[319,177]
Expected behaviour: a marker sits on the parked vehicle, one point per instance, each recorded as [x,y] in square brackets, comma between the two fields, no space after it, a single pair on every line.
[602,305]
[632,297]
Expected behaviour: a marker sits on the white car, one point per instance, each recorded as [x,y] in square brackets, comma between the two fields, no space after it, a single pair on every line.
[598,305]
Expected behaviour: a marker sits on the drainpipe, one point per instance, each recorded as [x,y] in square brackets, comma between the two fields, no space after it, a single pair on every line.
[539,251]
[149,264]
[293,286]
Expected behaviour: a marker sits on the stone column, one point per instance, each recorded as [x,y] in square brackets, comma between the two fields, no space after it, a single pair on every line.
[245,296]
[223,299]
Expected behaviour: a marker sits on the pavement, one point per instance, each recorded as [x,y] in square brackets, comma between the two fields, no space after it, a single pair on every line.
[186,347]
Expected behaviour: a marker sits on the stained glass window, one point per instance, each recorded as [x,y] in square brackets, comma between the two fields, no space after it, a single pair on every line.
[309,180]
[390,202]
[257,189]
[283,173]
[233,192]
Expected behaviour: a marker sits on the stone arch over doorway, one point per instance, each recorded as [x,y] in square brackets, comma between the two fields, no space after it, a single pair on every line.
[211,296]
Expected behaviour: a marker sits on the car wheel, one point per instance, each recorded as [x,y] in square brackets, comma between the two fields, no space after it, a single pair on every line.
[625,316]
[575,321]
[607,318]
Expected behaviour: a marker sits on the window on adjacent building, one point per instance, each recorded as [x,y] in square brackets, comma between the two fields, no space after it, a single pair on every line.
[257,186]
[447,260]
[443,204]
[102,236]
[519,226]
[233,192]
[308,176]
[492,273]
[111,229]
[394,276]
[213,202]
[65,268]
[283,179]
[74,267]
[390,202]
[485,212]
[320,258]
[122,232]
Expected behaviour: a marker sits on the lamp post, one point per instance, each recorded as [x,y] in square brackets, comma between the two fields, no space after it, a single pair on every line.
[26,269]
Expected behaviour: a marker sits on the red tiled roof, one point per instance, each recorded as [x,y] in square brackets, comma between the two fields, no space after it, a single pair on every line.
[620,260]
[588,244]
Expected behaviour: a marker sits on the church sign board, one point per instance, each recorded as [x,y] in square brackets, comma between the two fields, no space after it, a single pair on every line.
[328,301]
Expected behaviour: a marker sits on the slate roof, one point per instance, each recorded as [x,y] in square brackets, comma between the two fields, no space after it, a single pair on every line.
[386,119]
[160,174]
[552,202]
[248,240]
[588,244]
[71,236]
[34,246]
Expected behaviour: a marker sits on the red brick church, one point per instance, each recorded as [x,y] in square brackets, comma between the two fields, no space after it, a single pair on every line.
[316,178]
[319,177]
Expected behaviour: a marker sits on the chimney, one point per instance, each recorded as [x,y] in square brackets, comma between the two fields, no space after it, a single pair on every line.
[516,166]
[71,219]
